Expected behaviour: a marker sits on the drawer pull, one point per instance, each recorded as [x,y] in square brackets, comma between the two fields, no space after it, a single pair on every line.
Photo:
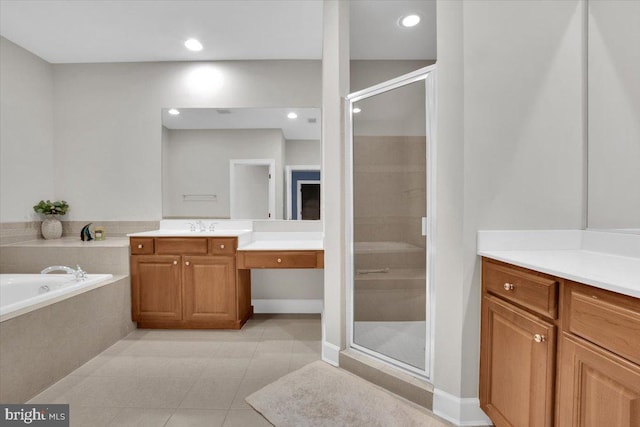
[279,260]
[508,286]
[187,263]
[140,246]
[175,262]
[221,246]
[539,338]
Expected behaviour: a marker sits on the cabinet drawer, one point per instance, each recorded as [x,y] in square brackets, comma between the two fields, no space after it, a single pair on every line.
[609,320]
[181,246]
[223,246]
[141,245]
[279,259]
[536,292]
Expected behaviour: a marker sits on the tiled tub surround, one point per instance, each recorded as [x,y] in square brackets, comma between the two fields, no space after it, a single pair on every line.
[106,256]
[42,346]
[605,260]
[15,232]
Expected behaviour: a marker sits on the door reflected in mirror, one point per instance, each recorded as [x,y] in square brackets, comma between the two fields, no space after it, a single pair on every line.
[241,163]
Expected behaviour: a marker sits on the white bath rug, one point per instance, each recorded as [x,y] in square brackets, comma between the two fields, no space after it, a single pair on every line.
[322,395]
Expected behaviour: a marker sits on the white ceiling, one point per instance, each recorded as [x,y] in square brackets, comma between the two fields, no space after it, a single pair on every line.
[248,118]
[70,31]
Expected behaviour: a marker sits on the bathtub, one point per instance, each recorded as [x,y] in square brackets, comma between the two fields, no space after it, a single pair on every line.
[22,293]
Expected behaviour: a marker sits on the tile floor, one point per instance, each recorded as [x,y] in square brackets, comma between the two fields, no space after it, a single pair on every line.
[188,377]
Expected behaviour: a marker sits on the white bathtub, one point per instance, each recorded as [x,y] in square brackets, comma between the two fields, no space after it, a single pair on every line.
[22,293]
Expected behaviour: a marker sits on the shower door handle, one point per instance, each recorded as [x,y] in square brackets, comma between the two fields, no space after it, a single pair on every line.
[424,225]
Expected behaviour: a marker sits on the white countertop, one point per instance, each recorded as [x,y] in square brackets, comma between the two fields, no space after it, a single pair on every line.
[183,233]
[248,240]
[605,260]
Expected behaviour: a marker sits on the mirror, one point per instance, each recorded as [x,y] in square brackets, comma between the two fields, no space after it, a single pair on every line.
[614,115]
[241,163]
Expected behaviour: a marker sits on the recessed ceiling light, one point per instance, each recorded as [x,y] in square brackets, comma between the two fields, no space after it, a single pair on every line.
[174,112]
[292,115]
[409,21]
[193,44]
[356,110]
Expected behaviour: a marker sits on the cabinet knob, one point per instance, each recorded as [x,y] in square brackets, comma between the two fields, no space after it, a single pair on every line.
[140,246]
[221,246]
[175,262]
[187,263]
[279,260]
[508,286]
[539,338]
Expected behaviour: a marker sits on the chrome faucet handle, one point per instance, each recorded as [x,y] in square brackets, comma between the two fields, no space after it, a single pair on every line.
[192,226]
[80,273]
[212,226]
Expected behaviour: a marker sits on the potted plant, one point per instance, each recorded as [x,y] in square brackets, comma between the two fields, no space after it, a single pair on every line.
[51,225]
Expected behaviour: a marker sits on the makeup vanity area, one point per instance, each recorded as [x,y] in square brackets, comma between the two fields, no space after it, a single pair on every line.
[184,279]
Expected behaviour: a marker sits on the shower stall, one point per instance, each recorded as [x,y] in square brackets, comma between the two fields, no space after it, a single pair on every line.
[390,217]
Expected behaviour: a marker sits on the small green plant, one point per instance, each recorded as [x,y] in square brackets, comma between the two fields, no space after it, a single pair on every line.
[59,207]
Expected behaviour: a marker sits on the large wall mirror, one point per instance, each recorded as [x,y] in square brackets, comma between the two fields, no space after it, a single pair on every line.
[614,115]
[241,163]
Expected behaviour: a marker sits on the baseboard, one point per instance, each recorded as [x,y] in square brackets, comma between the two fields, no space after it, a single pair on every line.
[460,411]
[330,353]
[287,305]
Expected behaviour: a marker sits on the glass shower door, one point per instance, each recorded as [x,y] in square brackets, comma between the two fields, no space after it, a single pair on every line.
[389,210]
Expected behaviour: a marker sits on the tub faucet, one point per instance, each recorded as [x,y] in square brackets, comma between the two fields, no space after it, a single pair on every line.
[79,273]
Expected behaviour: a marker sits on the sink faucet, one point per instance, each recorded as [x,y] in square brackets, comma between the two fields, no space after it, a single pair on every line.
[79,273]
[201,226]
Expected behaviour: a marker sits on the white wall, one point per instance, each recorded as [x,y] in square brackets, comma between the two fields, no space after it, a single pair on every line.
[108,124]
[335,86]
[197,162]
[510,150]
[303,152]
[26,132]
[614,114]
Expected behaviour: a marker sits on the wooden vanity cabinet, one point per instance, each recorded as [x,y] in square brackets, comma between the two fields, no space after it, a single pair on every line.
[599,358]
[518,340]
[597,380]
[188,282]
[156,291]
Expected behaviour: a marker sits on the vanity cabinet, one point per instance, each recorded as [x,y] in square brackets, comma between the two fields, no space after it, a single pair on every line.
[591,379]
[599,358]
[156,287]
[188,282]
[518,336]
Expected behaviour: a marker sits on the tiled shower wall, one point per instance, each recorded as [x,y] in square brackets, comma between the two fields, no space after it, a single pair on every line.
[382,165]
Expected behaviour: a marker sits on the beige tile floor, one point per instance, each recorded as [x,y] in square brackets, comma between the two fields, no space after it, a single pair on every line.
[186,378]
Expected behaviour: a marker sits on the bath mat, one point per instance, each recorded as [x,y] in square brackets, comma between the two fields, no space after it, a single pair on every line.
[322,395]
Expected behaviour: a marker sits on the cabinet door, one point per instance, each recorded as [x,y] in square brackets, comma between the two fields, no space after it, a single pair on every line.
[516,366]
[156,291]
[596,388]
[209,288]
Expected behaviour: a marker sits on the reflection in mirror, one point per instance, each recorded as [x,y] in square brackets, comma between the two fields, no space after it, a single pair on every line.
[230,163]
[614,115]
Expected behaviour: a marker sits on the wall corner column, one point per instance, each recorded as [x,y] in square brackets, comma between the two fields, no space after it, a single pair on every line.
[335,87]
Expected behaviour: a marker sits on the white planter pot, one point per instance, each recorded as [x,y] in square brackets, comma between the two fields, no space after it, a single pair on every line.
[51,228]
